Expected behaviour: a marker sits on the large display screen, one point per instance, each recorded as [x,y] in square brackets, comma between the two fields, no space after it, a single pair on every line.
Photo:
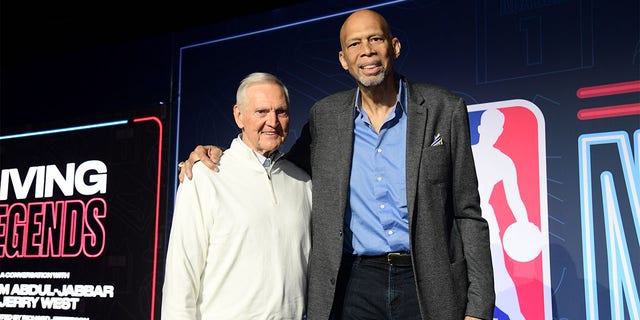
[80,221]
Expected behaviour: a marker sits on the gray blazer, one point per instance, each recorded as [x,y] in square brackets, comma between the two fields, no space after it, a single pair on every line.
[449,237]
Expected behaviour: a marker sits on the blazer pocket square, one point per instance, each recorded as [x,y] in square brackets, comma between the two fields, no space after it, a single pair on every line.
[437,140]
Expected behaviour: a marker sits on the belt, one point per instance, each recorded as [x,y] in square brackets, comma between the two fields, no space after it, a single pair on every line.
[396,259]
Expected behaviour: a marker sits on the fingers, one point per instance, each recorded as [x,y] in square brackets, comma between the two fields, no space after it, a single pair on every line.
[194,157]
[209,155]
[214,154]
[187,165]
[210,164]
[182,173]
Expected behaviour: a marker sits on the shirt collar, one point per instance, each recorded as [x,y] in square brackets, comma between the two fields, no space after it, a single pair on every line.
[401,99]
[266,162]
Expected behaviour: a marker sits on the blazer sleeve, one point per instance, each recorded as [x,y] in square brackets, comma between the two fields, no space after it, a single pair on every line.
[473,227]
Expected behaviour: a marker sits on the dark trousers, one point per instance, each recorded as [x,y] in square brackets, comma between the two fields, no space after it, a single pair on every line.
[375,291]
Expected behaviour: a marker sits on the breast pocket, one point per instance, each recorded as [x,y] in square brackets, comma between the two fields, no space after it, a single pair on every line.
[437,163]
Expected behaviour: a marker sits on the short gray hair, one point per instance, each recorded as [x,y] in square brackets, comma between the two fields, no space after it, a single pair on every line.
[257,77]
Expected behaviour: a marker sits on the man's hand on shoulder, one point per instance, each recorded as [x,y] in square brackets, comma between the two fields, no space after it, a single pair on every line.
[209,155]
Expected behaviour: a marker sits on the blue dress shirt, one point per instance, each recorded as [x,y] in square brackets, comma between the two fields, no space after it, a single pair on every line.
[377,215]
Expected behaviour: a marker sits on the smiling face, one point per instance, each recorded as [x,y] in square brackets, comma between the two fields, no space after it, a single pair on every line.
[368,48]
[263,117]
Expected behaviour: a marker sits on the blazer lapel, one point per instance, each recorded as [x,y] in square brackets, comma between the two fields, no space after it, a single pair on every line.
[334,146]
[416,126]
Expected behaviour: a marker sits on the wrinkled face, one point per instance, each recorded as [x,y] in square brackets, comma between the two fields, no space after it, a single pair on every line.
[368,49]
[264,119]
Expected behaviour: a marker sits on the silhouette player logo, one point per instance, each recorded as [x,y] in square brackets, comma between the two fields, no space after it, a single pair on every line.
[509,152]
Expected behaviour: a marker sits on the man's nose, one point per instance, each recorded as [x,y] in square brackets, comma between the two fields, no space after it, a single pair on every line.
[272,119]
[367,48]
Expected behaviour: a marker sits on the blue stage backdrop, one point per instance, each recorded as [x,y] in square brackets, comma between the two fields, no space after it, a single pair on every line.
[563,75]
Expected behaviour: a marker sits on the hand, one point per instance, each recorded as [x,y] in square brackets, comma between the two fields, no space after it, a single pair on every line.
[471,318]
[209,155]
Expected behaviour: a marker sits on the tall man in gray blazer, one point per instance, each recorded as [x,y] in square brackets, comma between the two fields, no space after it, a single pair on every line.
[447,240]
[397,229]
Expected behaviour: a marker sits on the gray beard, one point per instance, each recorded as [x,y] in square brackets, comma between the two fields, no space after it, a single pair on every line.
[372,82]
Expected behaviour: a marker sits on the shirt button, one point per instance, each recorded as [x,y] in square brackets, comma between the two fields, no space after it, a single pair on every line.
[382,206]
[390,232]
[379,179]
[379,150]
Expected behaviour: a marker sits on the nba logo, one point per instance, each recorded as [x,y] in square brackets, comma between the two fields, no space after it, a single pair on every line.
[508,145]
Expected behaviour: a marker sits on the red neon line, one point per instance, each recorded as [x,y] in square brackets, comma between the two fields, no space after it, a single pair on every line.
[157,224]
[609,112]
[608,89]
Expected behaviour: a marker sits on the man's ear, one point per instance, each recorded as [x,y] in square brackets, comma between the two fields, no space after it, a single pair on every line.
[396,47]
[343,62]
[237,115]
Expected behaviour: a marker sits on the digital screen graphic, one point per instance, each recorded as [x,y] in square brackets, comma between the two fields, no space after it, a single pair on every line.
[80,221]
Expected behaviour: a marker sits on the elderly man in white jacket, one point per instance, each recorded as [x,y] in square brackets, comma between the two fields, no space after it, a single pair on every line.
[240,238]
